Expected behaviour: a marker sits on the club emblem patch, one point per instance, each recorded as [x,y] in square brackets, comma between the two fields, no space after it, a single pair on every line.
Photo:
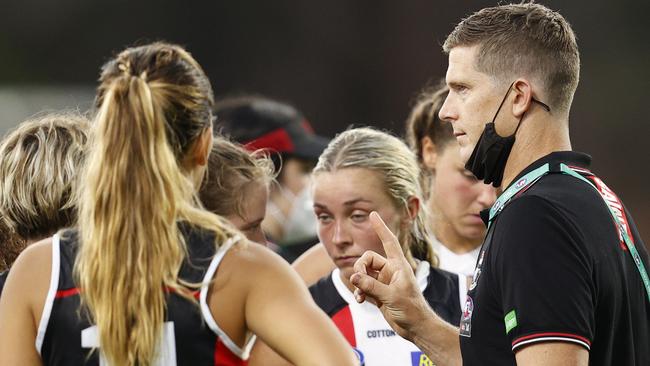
[466,320]
[522,182]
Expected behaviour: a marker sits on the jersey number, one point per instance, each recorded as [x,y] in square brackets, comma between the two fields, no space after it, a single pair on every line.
[166,347]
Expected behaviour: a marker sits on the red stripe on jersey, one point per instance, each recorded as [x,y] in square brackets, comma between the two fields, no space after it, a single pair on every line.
[543,335]
[66,293]
[343,320]
[170,290]
[224,357]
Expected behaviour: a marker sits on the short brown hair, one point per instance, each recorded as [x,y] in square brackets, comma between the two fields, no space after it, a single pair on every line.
[231,169]
[41,159]
[523,39]
[10,246]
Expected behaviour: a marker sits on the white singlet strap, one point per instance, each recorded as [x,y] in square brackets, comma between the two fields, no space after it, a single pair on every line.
[243,352]
[51,292]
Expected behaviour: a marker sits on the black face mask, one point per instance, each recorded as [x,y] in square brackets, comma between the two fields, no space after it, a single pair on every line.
[488,160]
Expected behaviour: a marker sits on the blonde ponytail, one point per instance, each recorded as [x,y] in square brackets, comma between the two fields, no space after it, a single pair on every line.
[152,105]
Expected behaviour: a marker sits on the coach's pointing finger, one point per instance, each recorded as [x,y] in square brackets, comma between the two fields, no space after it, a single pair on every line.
[388,239]
[389,282]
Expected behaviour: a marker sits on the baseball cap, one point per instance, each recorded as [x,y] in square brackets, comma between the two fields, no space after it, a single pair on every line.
[261,123]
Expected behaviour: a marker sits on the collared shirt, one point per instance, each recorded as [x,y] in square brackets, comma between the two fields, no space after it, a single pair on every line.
[553,269]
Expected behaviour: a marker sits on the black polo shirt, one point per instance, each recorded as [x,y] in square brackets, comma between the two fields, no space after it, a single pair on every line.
[553,269]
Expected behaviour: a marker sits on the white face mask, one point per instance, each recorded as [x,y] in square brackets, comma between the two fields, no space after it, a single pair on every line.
[300,224]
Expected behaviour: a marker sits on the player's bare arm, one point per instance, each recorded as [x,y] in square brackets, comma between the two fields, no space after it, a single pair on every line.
[272,291]
[21,306]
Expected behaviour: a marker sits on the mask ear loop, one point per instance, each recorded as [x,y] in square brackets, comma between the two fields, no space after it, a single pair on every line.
[519,124]
[502,101]
[547,108]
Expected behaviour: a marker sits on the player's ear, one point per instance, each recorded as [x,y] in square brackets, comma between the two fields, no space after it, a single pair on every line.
[411,211]
[429,153]
[523,95]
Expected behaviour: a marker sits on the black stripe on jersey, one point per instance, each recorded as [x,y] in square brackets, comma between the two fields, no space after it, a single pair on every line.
[441,293]
[326,296]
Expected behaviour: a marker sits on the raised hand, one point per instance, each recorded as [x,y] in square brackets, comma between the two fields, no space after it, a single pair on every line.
[390,283]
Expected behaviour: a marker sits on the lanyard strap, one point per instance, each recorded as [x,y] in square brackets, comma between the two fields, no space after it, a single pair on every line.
[522,183]
[533,176]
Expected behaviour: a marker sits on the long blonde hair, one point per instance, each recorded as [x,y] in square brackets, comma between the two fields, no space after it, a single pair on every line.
[153,102]
[397,166]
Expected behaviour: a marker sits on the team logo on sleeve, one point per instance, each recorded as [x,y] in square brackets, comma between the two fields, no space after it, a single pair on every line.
[420,359]
[510,320]
[466,320]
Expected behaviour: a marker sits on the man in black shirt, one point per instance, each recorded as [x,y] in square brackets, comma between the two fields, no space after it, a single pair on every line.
[561,278]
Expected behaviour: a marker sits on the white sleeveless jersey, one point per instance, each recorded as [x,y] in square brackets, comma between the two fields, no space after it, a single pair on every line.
[462,264]
[365,328]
